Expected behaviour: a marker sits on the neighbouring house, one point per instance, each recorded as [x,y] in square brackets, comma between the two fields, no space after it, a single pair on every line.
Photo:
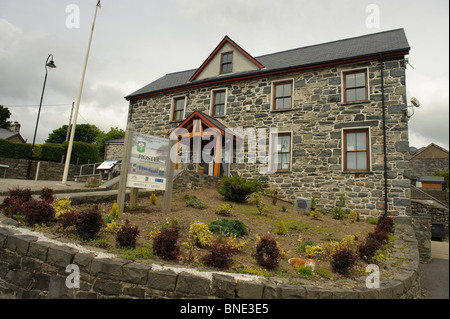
[318,121]
[114,149]
[427,160]
[12,134]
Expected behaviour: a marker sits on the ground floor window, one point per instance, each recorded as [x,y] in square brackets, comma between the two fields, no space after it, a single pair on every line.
[356,150]
[281,151]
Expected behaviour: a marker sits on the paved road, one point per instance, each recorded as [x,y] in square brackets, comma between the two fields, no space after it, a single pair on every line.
[434,275]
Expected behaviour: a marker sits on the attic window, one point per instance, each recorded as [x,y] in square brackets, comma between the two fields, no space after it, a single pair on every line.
[226,65]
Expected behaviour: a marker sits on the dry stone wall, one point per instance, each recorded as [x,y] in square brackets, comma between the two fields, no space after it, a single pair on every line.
[316,121]
[33,266]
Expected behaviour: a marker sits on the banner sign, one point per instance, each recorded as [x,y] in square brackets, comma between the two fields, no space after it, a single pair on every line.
[148,158]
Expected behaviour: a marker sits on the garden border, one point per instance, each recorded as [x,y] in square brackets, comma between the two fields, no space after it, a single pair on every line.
[32,265]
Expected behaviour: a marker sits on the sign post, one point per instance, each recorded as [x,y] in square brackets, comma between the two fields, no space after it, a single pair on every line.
[124,167]
[146,164]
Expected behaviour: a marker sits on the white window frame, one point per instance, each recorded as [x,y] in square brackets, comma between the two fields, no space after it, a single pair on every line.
[272,95]
[270,162]
[369,147]
[343,81]
[172,106]
[212,101]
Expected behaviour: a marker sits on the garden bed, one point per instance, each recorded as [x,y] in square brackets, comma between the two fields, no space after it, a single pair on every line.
[300,228]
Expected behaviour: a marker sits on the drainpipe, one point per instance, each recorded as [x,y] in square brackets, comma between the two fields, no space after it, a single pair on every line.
[384,137]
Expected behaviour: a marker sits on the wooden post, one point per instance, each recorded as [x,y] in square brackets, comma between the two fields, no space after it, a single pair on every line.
[124,167]
[169,180]
[134,197]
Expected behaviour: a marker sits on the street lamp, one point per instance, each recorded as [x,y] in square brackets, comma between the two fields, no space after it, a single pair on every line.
[52,65]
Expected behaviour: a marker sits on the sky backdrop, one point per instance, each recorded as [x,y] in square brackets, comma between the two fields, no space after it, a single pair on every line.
[138,41]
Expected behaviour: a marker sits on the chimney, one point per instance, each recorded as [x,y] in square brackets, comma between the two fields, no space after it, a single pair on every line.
[15,127]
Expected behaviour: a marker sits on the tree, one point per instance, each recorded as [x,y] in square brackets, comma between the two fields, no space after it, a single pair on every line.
[113,134]
[87,133]
[4,116]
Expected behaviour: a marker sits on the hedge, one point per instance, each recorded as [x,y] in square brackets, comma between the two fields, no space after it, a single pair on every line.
[51,152]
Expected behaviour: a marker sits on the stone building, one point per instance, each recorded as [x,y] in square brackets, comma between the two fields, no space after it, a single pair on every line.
[427,160]
[318,121]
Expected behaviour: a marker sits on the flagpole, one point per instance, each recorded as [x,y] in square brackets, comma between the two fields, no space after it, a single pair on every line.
[74,124]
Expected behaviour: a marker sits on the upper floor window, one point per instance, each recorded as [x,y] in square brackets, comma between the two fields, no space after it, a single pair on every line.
[355,86]
[226,65]
[178,108]
[356,150]
[218,104]
[282,97]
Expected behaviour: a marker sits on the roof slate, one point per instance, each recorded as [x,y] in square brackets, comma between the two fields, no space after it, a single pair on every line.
[362,46]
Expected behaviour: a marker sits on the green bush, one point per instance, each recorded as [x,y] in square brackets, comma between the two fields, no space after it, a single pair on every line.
[14,150]
[226,226]
[52,152]
[237,189]
[193,201]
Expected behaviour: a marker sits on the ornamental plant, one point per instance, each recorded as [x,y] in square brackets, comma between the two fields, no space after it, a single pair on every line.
[201,235]
[267,252]
[62,206]
[47,195]
[13,202]
[353,216]
[228,226]
[256,199]
[343,260]
[384,224]
[237,189]
[38,212]
[368,249]
[281,230]
[88,223]
[114,212]
[126,236]
[153,199]
[165,244]
[220,255]
[224,209]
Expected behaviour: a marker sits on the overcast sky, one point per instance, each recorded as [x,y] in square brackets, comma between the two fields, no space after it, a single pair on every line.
[137,41]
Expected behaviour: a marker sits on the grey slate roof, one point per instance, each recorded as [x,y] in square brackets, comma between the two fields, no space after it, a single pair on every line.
[363,46]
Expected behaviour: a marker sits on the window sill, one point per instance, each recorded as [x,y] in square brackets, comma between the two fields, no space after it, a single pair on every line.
[284,110]
[356,102]
[357,172]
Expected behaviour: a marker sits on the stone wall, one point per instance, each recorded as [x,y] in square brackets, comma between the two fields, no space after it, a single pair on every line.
[428,166]
[33,266]
[422,228]
[438,213]
[48,171]
[316,121]
[113,151]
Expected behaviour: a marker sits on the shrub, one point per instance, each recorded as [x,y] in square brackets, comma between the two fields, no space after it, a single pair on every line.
[193,201]
[303,244]
[67,219]
[165,243]
[226,226]
[47,195]
[224,209]
[88,224]
[267,252]
[112,227]
[61,207]
[373,221]
[353,216]
[384,224]
[201,235]
[114,212]
[127,235]
[283,208]
[281,230]
[20,194]
[12,206]
[316,213]
[368,249]
[237,189]
[153,199]
[338,213]
[305,272]
[323,273]
[257,200]
[220,256]
[343,260]
[380,236]
[38,212]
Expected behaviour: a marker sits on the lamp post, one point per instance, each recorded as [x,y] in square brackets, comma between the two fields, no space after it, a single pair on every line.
[52,65]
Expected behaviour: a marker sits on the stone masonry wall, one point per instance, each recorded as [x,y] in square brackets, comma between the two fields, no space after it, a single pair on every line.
[48,171]
[316,122]
[33,266]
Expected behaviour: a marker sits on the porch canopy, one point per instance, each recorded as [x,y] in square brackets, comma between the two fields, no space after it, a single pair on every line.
[196,131]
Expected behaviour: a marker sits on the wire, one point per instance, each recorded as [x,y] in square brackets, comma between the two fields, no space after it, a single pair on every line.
[31,105]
